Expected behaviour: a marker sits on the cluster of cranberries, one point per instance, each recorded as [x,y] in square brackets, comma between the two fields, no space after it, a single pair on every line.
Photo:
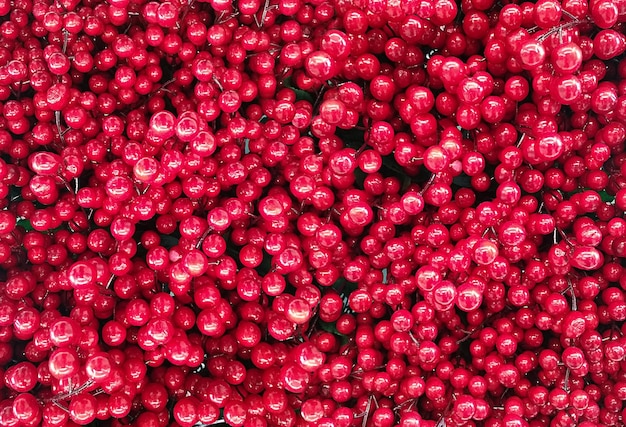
[298,213]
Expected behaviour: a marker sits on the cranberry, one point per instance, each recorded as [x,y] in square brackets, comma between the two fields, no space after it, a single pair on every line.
[327,212]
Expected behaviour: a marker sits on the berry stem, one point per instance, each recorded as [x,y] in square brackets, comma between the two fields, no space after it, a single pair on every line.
[428,183]
[57,120]
[72,392]
[59,405]
[66,36]
[264,13]
[366,413]
[203,237]
[572,294]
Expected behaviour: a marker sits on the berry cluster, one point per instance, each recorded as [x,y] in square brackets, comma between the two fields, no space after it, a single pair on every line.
[298,213]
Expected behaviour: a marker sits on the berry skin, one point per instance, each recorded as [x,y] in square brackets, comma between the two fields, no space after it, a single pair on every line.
[300,212]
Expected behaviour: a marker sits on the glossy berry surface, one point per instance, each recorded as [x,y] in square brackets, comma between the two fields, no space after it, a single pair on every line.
[297,213]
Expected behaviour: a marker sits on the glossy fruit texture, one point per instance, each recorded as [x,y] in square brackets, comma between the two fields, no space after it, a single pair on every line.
[302,213]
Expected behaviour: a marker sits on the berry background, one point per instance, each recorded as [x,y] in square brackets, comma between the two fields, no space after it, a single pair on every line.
[294,213]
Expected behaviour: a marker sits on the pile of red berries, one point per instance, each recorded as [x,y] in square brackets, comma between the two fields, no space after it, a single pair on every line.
[328,213]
